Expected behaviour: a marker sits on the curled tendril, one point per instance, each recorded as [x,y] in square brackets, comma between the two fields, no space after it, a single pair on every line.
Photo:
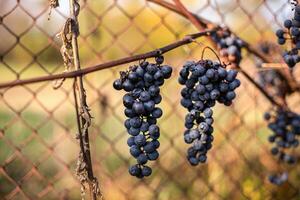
[211,49]
[65,50]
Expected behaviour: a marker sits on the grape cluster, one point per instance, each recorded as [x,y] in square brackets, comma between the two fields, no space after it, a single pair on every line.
[230,45]
[205,82]
[272,80]
[292,33]
[286,130]
[269,48]
[142,84]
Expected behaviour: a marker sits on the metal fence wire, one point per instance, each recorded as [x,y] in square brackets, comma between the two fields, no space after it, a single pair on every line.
[38,149]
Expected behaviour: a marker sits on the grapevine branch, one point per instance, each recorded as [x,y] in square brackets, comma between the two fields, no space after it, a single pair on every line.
[206,24]
[80,72]
[84,168]
[200,24]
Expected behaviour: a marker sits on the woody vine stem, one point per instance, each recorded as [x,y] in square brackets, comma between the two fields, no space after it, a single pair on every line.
[84,169]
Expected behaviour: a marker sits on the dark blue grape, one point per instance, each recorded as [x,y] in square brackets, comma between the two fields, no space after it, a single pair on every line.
[157,113]
[281,41]
[133,77]
[130,141]
[202,158]
[128,100]
[128,86]
[287,23]
[193,161]
[118,84]
[200,89]
[142,159]
[146,171]
[127,123]
[135,170]
[151,69]
[167,71]
[181,80]
[138,108]
[129,112]
[145,96]
[140,140]
[144,127]
[214,94]
[157,99]
[153,90]
[135,151]
[133,131]
[231,75]
[149,106]
[188,139]
[230,95]
[149,147]
[140,71]
[155,143]
[153,155]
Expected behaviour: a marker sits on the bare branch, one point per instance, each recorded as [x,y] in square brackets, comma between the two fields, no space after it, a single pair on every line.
[80,72]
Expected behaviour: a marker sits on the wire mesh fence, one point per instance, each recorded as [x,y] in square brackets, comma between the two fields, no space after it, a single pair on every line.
[38,149]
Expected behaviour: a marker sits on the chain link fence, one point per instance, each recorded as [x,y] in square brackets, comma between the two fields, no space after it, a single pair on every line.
[38,149]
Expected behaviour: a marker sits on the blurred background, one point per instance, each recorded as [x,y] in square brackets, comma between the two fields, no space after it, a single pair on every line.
[38,149]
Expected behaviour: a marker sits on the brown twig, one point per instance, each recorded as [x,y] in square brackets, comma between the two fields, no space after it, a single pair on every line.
[85,168]
[204,23]
[200,23]
[80,72]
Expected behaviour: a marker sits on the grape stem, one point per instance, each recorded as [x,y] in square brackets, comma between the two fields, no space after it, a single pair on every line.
[212,50]
[80,72]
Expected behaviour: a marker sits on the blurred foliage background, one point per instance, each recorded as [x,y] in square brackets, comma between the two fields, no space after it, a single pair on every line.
[38,149]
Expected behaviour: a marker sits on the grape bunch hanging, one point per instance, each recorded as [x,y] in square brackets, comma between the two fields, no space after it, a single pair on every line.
[142,84]
[229,45]
[272,80]
[285,126]
[205,82]
[291,33]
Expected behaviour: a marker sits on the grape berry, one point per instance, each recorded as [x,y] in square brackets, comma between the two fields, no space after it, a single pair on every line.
[142,84]
[205,82]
